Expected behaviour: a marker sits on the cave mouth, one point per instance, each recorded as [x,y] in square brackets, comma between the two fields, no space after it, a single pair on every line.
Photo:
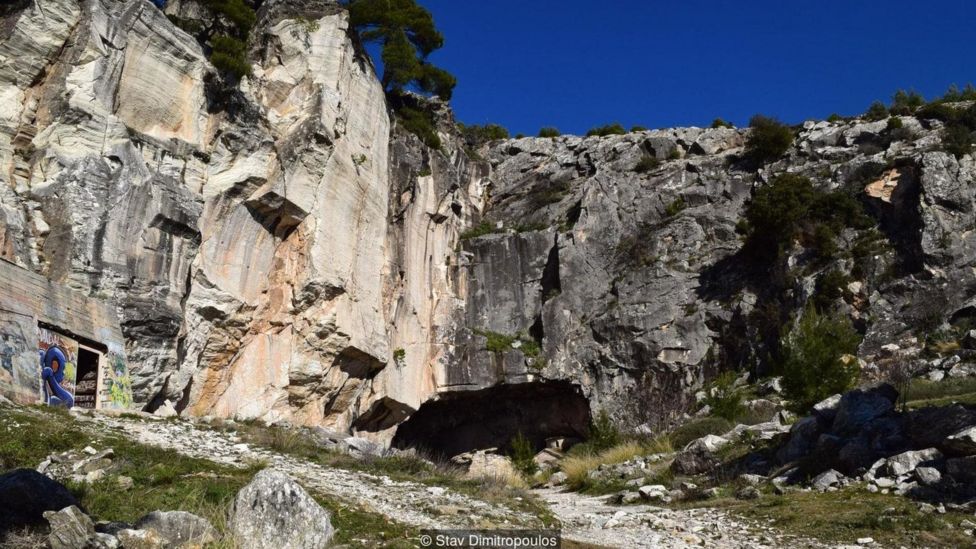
[489,418]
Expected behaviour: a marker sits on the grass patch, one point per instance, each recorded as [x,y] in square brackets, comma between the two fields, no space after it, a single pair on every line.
[699,427]
[923,393]
[848,514]
[578,466]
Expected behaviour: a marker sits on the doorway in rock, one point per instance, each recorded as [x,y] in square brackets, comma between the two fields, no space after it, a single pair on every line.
[489,418]
[86,388]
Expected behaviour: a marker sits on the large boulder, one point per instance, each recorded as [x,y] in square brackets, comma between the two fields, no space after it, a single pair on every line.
[698,456]
[274,511]
[485,464]
[26,494]
[931,427]
[859,407]
[803,438]
[962,443]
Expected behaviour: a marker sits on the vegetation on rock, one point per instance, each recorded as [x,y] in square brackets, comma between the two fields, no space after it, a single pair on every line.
[768,140]
[819,358]
[407,35]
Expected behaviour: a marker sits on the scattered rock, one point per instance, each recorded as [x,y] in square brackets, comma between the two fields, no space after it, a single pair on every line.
[748,492]
[654,492]
[274,511]
[826,479]
[906,462]
[70,528]
[166,410]
[962,443]
[928,476]
[177,529]
[558,478]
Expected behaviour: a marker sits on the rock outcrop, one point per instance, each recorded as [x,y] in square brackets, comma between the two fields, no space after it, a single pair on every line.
[283,250]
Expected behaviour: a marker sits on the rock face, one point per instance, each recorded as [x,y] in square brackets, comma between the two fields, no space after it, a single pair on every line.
[274,511]
[282,250]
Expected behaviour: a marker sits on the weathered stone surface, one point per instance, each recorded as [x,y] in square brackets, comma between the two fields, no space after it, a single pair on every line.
[177,529]
[963,442]
[906,462]
[282,251]
[859,407]
[70,528]
[274,511]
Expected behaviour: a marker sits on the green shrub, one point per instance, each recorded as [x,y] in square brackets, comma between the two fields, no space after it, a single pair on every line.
[877,111]
[834,117]
[957,139]
[905,103]
[725,398]
[895,123]
[719,123]
[675,207]
[475,135]
[549,131]
[603,434]
[635,129]
[675,154]
[955,94]
[768,140]
[420,123]
[830,287]
[228,55]
[937,111]
[481,229]
[609,129]
[647,164]
[523,455]
[789,207]
[818,359]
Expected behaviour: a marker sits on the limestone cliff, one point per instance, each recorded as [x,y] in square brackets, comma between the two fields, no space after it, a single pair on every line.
[282,250]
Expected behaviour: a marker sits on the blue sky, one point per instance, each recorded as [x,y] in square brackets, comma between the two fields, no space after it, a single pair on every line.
[576,64]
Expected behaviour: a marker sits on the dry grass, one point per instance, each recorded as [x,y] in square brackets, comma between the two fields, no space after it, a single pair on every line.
[578,467]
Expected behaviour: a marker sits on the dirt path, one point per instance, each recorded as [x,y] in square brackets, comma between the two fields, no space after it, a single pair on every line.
[590,519]
[586,519]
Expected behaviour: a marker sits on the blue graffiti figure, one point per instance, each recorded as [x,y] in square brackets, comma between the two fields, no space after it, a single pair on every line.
[52,373]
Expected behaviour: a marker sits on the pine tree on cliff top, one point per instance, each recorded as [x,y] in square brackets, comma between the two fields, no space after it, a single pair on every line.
[407,35]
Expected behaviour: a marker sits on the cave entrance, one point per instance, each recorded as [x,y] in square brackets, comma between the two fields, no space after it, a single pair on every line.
[473,420]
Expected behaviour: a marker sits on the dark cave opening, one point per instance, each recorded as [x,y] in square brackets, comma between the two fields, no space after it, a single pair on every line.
[489,418]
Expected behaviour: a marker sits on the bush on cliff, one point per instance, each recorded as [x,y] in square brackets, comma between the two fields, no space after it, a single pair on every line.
[609,129]
[768,140]
[407,35]
[818,359]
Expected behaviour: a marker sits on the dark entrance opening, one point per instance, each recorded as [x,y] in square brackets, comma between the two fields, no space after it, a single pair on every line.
[86,388]
[473,420]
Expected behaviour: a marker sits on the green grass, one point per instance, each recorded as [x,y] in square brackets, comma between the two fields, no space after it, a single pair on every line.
[923,393]
[848,514]
[163,479]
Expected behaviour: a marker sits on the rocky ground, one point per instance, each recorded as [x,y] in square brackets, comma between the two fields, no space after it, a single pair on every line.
[585,520]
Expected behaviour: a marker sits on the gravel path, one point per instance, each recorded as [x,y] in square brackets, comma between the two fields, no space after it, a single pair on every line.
[592,520]
[587,519]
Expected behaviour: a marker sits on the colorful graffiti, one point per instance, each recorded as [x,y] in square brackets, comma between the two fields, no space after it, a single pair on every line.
[117,381]
[58,359]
